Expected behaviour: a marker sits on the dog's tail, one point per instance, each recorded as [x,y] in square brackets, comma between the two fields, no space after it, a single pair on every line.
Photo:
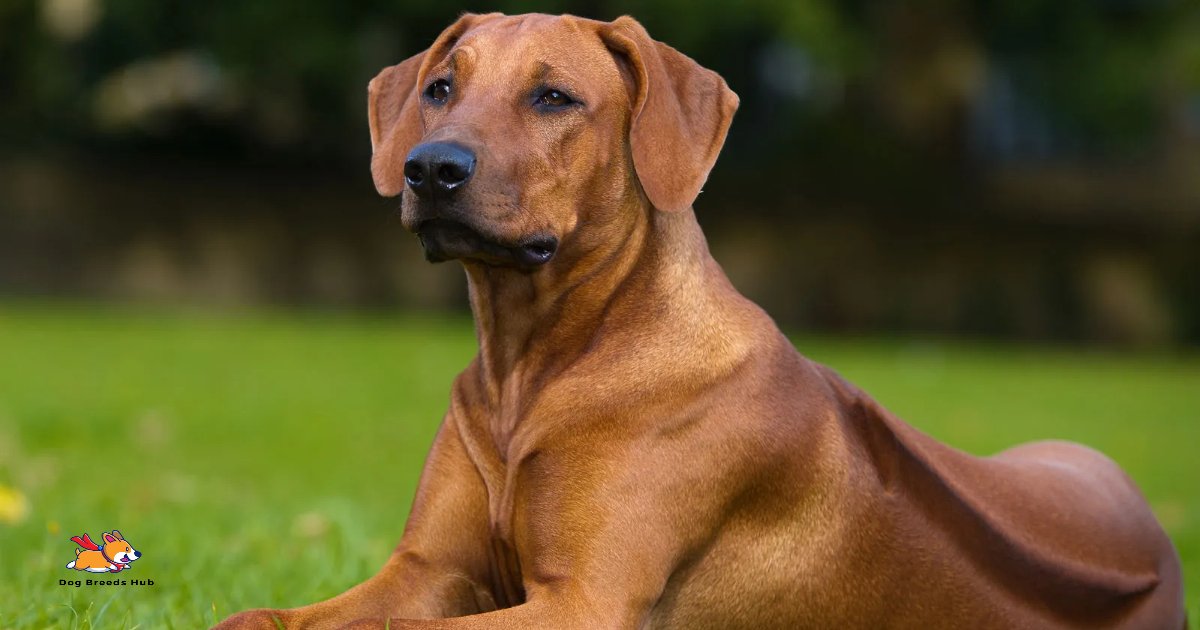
[77,552]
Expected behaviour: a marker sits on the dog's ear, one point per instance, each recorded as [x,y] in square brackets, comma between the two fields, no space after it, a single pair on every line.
[394,106]
[109,538]
[393,111]
[116,534]
[681,113]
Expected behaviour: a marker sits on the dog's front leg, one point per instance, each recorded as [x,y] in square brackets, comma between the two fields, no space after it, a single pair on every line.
[437,570]
[562,612]
[612,532]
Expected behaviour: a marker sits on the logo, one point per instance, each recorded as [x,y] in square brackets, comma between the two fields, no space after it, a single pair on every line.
[114,556]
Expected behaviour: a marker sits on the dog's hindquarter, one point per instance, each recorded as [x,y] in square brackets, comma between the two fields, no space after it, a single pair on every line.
[878,525]
[90,561]
[1046,534]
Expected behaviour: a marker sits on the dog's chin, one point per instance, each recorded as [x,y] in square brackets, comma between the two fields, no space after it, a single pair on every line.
[446,239]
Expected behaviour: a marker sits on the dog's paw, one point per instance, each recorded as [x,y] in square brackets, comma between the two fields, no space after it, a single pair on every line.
[258,619]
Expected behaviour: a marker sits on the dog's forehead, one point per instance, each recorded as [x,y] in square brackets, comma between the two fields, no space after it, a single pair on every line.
[521,42]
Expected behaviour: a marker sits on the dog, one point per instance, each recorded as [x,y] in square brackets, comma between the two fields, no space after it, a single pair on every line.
[114,556]
[636,445]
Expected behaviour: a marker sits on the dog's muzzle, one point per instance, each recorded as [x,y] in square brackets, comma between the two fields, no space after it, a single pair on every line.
[447,239]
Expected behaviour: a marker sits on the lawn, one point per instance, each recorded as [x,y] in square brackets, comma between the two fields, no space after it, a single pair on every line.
[270,458]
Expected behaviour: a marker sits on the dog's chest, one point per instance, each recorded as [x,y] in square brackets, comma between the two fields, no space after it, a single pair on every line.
[504,561]
[500,473]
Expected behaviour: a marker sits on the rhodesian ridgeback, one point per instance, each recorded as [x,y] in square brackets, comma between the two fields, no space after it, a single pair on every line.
[637,445]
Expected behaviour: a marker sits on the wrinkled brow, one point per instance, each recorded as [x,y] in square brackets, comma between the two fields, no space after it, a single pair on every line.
[458,63]
[546,73]
[459,57]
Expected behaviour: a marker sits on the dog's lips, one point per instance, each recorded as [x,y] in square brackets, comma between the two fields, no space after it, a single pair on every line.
[446,239]
[537,251]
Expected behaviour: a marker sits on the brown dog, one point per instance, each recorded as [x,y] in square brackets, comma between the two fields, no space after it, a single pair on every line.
[636,444]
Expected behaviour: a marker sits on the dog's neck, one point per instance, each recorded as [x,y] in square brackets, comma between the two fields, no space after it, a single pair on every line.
[532,327]
[104,553]
[552,314]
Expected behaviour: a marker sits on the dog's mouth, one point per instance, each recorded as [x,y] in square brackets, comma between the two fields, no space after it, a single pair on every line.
[446,239]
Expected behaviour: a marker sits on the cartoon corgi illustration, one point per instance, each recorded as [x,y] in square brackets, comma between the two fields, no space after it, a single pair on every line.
[113,556]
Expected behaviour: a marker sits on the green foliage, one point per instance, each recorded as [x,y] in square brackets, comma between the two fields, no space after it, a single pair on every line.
[271,459]
[293,73]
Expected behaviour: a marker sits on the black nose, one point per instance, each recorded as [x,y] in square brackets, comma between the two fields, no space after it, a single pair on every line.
[137,554]
[439,168]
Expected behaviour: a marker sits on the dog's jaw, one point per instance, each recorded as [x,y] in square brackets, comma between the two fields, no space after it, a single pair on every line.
[446,239]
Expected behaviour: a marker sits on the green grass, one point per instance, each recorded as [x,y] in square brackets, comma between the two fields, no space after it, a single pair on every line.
[270,459]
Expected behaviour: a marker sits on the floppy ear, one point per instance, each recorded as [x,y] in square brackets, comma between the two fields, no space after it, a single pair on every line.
[394,107]
[393,110]
[681,113]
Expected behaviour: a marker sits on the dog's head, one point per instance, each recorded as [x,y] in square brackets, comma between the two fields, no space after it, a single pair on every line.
[119,549]
[515,140]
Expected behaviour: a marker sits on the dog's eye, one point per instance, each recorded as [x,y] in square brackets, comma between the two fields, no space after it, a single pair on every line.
[439,90]
[554,98]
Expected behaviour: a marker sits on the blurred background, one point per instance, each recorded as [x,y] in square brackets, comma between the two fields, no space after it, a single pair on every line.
[1025,169]
[216,338]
